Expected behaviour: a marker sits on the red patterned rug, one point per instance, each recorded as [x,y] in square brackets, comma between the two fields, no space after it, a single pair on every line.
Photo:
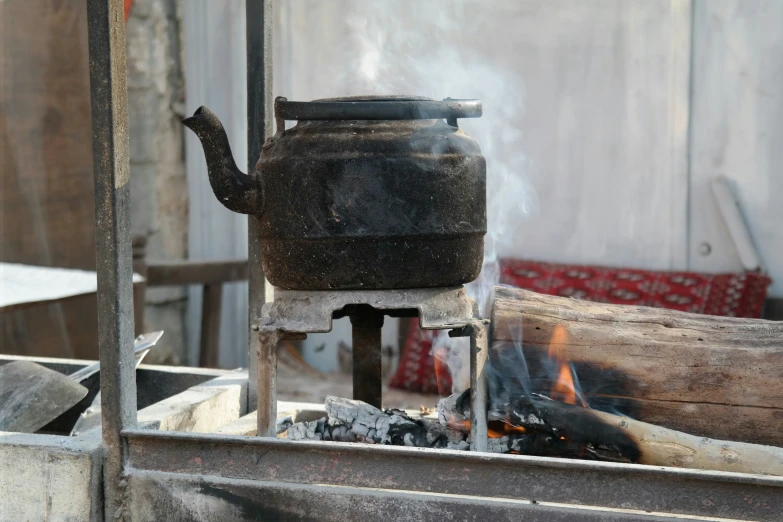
[733,295]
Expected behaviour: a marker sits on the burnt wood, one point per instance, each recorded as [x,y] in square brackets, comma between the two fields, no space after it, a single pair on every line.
[555,429]
[718,377]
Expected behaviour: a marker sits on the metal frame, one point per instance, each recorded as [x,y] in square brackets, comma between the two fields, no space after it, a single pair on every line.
[294,314]
[110,145]
[260,121]
[467,474]
[240,471]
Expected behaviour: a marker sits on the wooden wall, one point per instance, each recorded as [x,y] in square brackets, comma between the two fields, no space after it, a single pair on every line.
[46,205]
[215,76]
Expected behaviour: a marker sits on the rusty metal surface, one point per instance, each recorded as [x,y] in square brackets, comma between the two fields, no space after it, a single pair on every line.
[109,106]
[604,484]
[266,383]
[311,312]
[300,312]
[158,496]
[259,38]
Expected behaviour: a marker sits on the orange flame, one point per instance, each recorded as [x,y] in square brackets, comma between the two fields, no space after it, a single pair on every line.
[564,387]
[495,429]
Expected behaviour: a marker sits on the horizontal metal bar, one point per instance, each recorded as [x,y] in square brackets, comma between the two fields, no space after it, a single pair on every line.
[166,496]
[603,484]
[312,311]
[394,109]
[172,273]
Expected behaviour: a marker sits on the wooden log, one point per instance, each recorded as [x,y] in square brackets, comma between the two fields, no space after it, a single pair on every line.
[664,447]
[718,377]
[555,429]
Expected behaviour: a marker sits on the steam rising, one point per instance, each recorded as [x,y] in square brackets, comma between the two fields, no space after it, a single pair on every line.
[438,59]
[416,47]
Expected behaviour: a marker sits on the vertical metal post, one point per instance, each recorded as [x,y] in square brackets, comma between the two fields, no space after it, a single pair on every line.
[479,350]
[108,91]
[366,326]
[266,415]
[258,23]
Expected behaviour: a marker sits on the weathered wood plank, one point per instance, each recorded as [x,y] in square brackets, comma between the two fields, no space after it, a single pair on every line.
[720,377]
[210,325]
[164,273]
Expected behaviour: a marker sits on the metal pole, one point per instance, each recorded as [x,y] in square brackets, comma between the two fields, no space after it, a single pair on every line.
[266,415]
[258,23]
[479,350]
[367,365]
[111,169]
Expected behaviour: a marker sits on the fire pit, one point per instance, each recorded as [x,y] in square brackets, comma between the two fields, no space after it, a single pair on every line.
[151,475]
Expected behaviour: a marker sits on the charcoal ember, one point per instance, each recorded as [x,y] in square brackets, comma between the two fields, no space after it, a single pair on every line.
[284,423]
[305,431]
[355,421]
[453,410]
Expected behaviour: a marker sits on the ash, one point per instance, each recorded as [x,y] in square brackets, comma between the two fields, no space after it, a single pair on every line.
[355,421]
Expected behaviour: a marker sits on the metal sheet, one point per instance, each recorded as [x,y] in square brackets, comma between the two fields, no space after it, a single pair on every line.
[158,496]
[108,93]
[626,486]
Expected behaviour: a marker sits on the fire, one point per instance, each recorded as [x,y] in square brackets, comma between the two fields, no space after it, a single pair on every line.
[564,387]
[495,429]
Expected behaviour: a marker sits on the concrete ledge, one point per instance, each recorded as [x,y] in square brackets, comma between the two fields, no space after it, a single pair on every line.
[202,408]
[48,477]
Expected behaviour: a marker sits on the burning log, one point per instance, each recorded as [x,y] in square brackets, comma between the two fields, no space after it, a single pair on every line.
[543,427]
[711,376]
[537,425]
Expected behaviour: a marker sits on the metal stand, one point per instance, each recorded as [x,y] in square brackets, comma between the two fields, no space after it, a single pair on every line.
[366,324]
[294,314]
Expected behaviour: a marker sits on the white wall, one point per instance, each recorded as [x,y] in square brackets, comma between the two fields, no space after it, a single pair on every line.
[737,128]
[215,76]
[597,113]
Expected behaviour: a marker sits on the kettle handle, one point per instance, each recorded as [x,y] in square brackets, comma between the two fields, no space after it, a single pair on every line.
[376,109]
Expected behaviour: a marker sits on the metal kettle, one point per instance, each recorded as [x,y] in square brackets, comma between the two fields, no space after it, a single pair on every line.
[362,193]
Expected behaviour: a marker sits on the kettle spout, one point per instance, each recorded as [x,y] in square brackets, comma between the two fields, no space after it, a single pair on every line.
[234,189]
